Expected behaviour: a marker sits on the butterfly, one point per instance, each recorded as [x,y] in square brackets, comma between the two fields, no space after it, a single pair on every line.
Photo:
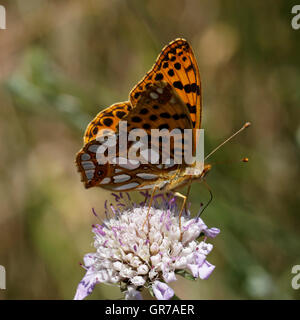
[168,97]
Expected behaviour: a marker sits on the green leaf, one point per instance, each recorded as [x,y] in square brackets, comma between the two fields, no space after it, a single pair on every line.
[151,291]
[185,274]
[123,287]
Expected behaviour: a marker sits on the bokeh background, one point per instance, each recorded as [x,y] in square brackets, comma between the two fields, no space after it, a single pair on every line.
[61,62]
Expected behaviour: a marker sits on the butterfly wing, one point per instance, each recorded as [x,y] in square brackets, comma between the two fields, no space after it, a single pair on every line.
[176,65]
[160,107]
[106,119]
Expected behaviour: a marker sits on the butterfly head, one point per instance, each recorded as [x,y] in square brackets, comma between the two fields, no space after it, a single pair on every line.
[202,174]
[206,169]
[197,173]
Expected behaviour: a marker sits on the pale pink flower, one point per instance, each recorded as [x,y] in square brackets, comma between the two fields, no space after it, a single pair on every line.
[132,254]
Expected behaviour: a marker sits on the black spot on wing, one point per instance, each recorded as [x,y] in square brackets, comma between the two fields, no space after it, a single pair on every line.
[120,114]
[153,117]
[192,109]
[164,126]
[146,126]
[171,73]
[178,85]
[136,119]
[108,122]
[177,66]
[187,88]
[165,115]
[144,111]
[159,76]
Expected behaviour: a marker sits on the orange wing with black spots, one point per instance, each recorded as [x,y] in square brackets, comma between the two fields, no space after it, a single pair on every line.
[157,107]
[176,65]
[169,96]
[106,119]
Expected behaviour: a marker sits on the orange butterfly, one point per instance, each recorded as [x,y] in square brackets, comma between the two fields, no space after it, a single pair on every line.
[168,97]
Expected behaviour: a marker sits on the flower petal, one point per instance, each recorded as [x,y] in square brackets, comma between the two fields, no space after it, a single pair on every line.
[194,269]
[204,248]
[89,259]
[199,258]
[132,294]
[138,281]
[205,270]
[162,291]
[212,232]
[86,285]
[169,276]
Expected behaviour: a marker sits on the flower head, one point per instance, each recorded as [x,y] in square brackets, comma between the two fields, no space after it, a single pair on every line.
[133,252]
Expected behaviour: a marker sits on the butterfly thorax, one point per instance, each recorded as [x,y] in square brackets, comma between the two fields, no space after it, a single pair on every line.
[185,177]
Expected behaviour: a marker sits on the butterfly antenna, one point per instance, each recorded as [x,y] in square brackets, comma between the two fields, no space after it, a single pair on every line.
[245,159]
[246,125]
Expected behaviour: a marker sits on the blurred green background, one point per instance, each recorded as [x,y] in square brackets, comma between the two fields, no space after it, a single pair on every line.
[61,62]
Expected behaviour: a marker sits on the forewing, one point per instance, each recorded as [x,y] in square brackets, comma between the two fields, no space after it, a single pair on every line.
[176,65]
[106,119]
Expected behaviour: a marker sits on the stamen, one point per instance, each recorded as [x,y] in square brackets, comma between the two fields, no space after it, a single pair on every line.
[128,196]
[94,212]
[117,197]
[113,210]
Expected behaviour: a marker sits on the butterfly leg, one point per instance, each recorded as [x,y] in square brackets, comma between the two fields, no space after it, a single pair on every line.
[150,203]
[187,195]
[182,207]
